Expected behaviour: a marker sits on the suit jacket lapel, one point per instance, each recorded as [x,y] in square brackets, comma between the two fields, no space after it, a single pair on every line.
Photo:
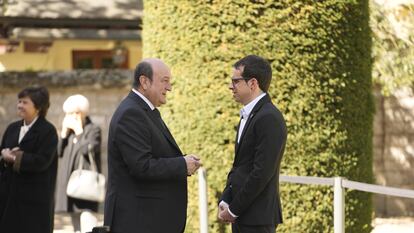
[154,118]
[262,101]
[158,122]
[170,137]
[31,133]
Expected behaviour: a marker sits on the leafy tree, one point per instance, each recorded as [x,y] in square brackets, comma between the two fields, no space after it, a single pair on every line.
[320,52]
[393,50]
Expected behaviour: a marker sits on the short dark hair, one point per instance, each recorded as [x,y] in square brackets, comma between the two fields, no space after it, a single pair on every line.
[258,68]
[143,68]
[39,95]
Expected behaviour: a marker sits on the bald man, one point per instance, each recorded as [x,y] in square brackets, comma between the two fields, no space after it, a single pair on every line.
[147,172]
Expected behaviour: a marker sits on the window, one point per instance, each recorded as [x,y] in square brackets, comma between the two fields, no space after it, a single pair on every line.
[8,46]
[99,59]
[37,47]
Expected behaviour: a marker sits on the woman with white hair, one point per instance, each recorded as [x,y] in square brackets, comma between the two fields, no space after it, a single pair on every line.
[77,135]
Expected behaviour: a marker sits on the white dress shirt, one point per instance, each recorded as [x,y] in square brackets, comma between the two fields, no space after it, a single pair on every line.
[245,113]
[25,128]
[144,98]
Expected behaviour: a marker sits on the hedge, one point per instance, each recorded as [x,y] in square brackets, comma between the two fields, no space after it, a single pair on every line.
[320,56]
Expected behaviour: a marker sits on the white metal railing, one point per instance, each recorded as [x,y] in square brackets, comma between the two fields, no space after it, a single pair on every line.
[338,183]
[203,201]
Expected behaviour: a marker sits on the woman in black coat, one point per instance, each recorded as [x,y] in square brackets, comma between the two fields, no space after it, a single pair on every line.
[78,133]
[28,167]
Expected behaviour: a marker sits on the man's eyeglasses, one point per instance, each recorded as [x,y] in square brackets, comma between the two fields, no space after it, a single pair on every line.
[234,81]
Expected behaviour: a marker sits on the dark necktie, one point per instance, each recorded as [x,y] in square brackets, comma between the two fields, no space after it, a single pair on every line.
[166,130]
[158,116]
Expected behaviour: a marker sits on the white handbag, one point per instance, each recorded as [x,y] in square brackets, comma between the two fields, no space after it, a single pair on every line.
[86,184]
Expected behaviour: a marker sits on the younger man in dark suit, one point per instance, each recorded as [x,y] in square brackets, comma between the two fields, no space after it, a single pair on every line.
[250,200]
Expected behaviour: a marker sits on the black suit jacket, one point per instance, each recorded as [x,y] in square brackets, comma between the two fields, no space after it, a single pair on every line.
[252,188]
[147,174]
[26,195]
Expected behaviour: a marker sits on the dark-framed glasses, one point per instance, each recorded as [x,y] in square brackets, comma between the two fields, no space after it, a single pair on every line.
[234,81]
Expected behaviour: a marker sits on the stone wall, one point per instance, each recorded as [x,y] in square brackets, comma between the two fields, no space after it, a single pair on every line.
[394,150]
[393,123]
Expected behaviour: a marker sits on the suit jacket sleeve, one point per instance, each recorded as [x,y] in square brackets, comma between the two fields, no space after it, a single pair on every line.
[3,139]
[271,141]
[133,139]
[41,159]
[226,195]
[2,146]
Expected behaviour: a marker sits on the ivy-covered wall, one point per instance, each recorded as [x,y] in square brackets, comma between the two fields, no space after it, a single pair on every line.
[320,55]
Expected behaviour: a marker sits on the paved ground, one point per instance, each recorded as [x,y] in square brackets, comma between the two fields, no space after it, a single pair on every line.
[393,225]
[381,225]
[63,223]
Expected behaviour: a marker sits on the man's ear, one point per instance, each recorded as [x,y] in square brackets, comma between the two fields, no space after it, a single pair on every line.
[143,81]
[255,84]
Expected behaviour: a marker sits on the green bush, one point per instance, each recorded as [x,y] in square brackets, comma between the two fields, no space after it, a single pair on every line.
[320,55]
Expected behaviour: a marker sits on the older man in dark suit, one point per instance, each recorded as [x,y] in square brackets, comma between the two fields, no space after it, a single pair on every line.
[250,199]
[147,183]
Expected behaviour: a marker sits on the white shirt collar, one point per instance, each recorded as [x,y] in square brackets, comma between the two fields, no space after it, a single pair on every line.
[31,124]
[144,98]
[247,109]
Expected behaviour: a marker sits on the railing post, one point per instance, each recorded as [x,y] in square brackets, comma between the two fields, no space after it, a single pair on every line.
[203,201]
[339,206]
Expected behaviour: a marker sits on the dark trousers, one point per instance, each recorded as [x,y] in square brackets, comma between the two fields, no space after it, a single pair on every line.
[238,228]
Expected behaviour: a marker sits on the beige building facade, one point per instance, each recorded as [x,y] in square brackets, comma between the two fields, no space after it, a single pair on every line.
[38,35]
